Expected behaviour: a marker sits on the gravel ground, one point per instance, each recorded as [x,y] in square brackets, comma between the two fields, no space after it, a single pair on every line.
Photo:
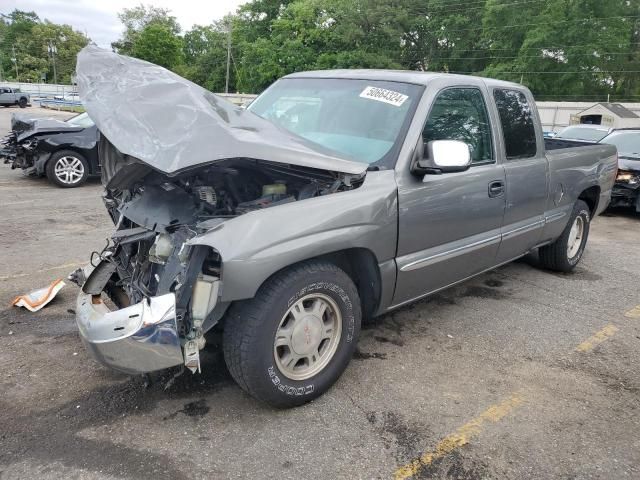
[483,381]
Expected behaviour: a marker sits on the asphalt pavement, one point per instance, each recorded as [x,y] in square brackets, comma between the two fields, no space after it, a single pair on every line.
[517,374]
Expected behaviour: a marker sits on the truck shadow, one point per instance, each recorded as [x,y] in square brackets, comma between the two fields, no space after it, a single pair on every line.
[54,435]
[623,212]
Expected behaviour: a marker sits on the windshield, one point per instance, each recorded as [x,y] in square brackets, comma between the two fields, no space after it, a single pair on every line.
[81,120]
[628,143]
[587,134]
[363,120]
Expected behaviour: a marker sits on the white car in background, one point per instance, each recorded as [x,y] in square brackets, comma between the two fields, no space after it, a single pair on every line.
[584,133]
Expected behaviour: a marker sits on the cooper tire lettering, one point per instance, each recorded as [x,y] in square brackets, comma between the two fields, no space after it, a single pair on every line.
[253,324]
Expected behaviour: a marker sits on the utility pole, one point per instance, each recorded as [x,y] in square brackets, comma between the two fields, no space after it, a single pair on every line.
[15,62]
[52,51]
[226,85]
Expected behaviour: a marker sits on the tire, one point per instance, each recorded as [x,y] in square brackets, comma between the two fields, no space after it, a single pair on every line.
[560,256]
[22,102]
[266,371]
[76,177]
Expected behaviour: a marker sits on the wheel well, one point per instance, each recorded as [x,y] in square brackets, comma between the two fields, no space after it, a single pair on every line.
[67,149]
[591,196]
[362,266]
[43,164]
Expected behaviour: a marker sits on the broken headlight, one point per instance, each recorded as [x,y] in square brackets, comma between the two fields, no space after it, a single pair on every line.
[29,144]
[627,177]
[161,249]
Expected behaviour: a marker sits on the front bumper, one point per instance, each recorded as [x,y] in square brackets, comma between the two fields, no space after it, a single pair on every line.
[137,339]
[624,195]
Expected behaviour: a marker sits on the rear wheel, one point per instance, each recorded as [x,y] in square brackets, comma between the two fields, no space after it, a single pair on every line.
[67,169]
[565,253]
[293,340]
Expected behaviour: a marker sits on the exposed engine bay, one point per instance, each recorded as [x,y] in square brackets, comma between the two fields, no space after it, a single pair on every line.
[155,216]
[178,167]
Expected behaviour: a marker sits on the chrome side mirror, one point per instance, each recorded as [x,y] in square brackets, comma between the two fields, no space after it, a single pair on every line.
[444,156]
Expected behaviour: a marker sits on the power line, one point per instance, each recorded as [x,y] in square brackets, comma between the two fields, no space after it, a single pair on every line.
[445,30]
[582,72]
[618,98]
[483,4]
[548,48]
[534,56]
[481,7]
[478,5]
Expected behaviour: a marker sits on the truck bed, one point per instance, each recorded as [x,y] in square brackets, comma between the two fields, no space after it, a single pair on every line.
[558,143]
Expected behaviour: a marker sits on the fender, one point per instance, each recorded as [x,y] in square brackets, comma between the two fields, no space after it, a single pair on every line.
[258,244]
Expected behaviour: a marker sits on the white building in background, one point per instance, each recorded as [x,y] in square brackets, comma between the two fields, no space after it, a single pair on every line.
[557,115]
[612,115]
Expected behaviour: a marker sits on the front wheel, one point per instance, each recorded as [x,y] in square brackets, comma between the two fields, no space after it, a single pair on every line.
[565,253]
[293,340]
[22,103]
[67,169]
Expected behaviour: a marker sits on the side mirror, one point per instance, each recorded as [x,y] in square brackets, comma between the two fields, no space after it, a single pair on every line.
[443,156]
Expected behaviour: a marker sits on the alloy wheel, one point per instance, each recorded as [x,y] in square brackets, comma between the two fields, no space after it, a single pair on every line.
[308,336]
[69,170]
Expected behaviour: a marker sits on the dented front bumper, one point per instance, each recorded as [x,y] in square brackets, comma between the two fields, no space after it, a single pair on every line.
[137,339]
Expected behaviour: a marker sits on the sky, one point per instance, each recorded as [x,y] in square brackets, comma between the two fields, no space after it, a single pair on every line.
[98,18]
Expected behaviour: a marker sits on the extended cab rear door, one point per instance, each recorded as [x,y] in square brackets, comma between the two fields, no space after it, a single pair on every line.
[526,170]
[449,224]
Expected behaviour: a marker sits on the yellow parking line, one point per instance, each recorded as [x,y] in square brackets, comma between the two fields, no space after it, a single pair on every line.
[597,338]
[461,436]
[633,313]
[35,272]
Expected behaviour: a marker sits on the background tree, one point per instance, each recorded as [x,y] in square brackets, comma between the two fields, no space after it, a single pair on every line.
[157,44]
[561,49]
[136,19]
[205,55]
[29,37]
[569,49]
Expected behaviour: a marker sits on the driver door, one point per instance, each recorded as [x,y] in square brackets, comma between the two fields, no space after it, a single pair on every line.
[449,224]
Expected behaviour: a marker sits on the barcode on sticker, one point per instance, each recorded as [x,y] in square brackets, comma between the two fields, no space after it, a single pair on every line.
[384,95]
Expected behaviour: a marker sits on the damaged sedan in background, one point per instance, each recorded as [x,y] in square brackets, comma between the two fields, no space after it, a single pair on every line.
[626,191]
[65,151]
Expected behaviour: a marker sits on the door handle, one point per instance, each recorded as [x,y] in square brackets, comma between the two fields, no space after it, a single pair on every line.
[496,188]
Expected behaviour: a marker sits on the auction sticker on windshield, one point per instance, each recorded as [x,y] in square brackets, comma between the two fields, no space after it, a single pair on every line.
[384,95]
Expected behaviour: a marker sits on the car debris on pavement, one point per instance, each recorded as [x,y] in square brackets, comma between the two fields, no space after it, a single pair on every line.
[38,299]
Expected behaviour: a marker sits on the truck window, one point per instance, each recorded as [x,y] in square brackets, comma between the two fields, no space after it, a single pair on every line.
[363,120]
[461,114]
[516,119]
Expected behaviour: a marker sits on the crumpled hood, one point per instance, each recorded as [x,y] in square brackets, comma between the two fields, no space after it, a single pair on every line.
[24,126]
[171,124]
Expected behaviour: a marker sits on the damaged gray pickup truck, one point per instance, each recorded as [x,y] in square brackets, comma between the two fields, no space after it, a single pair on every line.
[336,195]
